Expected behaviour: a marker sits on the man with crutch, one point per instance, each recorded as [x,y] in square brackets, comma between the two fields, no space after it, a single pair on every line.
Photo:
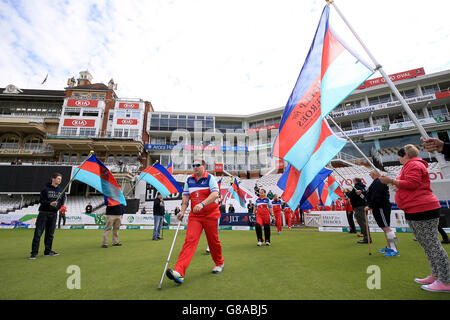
[203,191]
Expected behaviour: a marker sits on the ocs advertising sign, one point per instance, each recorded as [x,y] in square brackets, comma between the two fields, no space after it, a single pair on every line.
[79,123]
[82,103]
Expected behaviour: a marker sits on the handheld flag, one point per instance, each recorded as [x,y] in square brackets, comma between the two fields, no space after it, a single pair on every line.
[95,174]
[326,149]
[330,73]
[312,201]
[161,179]
[170,168]
[330,191]
[237,193]
[110,202]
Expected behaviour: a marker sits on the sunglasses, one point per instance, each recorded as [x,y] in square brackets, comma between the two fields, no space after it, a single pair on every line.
[196,165]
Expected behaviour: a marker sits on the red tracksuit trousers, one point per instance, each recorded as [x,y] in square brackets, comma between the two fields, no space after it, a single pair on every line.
[278,221]
[194,230]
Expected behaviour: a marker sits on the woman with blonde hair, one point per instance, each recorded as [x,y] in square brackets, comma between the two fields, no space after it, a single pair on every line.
[421,207]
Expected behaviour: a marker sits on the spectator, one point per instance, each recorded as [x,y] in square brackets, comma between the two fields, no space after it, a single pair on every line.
[256,188]
[120,164]
[143,211]
[250,207]
[176,211]
[88,208]
[13,162]
[270,195]
[62,215]
[231,208]
[378,201]
[114,213]
[421,207]
[434,144]
[46,220]
[19,162]
[222,208]
[358,202]
[158,214]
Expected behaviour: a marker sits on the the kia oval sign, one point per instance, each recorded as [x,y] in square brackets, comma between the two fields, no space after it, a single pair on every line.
[78,123]
[82,103]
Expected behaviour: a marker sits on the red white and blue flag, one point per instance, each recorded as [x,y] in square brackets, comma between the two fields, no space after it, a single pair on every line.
[330,73]
[170,168]
[161,179]
[330,191]
[95,174]
[236,192]
[312,201]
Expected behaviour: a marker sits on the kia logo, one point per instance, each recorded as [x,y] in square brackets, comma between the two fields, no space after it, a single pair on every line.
[128,105]
[82,103]
[79,123]
[127,121]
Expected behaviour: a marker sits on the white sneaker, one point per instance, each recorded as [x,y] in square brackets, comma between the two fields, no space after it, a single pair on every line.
[218,269]
[207,250]
[259,244]
[267,243]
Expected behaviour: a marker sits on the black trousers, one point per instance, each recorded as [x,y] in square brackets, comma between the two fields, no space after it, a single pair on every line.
[351,223]
[258,229]
[61,217]
[45,222]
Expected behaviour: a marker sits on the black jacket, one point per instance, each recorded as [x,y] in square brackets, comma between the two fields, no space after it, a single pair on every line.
[355,200]
[158,208]
[378,194]
[446,150]
[48,195]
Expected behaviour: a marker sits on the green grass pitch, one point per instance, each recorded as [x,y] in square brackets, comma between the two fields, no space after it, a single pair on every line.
[301,264]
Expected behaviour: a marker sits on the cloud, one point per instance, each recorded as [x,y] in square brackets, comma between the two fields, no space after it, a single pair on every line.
[210,56]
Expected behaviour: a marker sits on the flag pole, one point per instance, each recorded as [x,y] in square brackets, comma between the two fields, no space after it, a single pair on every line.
[354,145]
[129,191]
[79,168]
[444,167]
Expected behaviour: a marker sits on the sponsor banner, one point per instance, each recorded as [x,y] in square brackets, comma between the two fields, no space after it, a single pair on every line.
[360,131]
[441,95]
[128,105]
[138,219]
[234,219]
[82,103]
[176,227]
[260,147]
[339,219]
[127,122]
[394,77]
[409,124]
[218,167]
[199,148]
[380,106]
[89,123]
[268,127]
[241,228]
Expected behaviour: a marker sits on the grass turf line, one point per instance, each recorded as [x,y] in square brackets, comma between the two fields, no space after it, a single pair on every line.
[299,265]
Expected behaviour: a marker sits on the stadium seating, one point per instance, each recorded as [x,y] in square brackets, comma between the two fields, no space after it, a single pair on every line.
[11,204]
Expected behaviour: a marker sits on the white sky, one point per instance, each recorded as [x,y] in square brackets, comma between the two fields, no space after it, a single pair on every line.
[233,56]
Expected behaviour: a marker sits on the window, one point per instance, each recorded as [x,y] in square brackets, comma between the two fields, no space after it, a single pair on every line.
[111,116]
[378,121]
[89,113]
[110,158]
[118,133]
[73,158]
[444,86]
[430,89]
[71,112]
[134,133]
[10,142]
[134,159]
[438,111]
[126,158]
[32,143]
[87,132]
[69,132]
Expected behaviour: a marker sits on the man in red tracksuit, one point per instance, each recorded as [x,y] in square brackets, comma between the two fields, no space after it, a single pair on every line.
[263,212]
[276,205]
[203,191]
[296,217]
[288,215]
